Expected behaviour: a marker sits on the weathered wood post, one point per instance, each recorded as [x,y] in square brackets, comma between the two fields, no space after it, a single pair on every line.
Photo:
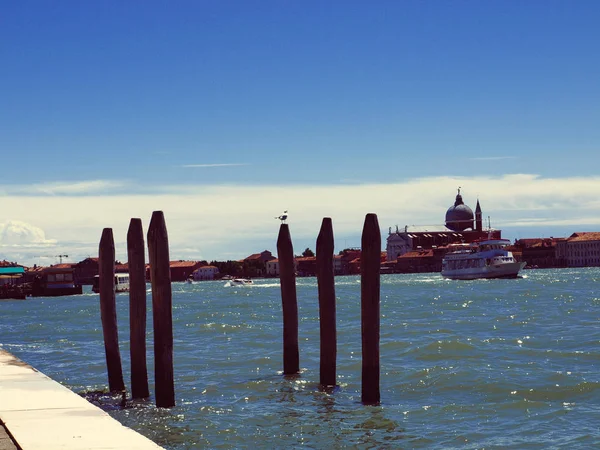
[370,261]
[162,302]
[289,302]
[326,286]
[137,309]
[108,310]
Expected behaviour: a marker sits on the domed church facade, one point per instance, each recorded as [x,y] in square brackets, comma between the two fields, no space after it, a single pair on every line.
[460,225]
[459,216]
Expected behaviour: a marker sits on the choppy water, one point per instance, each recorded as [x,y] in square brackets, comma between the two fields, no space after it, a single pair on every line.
[465,364]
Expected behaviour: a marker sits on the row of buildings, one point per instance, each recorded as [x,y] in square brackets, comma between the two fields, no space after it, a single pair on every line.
[581,249]
[263,264]
[408,250]
[421,249]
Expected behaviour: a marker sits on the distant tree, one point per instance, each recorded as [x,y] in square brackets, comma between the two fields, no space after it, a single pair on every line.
[308,252]
[251,269]
[233,268]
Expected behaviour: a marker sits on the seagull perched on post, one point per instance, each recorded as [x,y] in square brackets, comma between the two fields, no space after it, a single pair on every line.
[282,217]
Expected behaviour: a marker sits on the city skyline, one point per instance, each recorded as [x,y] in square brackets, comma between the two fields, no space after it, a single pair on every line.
[225,114]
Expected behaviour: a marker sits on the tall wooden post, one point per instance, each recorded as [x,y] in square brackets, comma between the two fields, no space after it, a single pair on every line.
[326,284]
[108,310]
[370,262]
[289,302]
[162,302]
[137,309]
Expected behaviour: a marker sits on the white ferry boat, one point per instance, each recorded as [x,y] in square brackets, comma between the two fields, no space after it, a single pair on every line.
[483,259]
[121,283]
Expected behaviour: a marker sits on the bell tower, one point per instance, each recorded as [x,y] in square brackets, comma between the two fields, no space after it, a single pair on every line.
[478,223]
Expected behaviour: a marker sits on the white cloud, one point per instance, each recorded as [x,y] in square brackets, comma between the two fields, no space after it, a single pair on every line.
[63,188]
[19,241]
[231,222]
[16,233]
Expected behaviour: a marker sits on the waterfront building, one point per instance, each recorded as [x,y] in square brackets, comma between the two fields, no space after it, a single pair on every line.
[422,260]
[205,273]
[10,274]
[337,264]
[581,249]
[55,281]
[461,225]
[86,270]
[272,267]
[262,257]
[345,262]
[181,270]
[353,267]
[255,265]
[306,266]
[539,253]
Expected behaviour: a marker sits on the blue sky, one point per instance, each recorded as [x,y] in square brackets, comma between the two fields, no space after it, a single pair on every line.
[225,113]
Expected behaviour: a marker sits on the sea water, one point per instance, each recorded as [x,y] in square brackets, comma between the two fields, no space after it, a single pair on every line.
[464,364]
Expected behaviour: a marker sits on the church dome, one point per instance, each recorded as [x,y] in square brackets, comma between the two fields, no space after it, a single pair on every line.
[459,217]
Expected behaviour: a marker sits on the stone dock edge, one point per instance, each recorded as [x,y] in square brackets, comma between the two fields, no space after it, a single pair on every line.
[38,413]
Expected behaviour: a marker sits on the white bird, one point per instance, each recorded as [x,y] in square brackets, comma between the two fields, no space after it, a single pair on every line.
[282,217]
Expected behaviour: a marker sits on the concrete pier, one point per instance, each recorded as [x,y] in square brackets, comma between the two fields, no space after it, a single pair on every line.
[39,413]
[6,443]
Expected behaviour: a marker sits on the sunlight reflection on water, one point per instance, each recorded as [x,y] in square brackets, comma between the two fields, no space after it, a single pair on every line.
[464,363]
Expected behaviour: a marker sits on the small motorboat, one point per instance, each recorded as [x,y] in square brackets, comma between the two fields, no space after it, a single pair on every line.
[239,282]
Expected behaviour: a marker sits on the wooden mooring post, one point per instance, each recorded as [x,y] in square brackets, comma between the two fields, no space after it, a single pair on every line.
[162,314]
[108,310]
[137,309]
[327,312]
[289,302]
[370,308]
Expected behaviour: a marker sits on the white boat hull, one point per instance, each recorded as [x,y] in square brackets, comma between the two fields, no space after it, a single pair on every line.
[504,270]
[239,282]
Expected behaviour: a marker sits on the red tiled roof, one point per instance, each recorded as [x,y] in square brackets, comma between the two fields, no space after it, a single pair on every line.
[528,242]
[63,266]
[87,261]
[584,236]
[417,254]
[183,263]
[256,256]
[6,263]
[544,243]
[58,267]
